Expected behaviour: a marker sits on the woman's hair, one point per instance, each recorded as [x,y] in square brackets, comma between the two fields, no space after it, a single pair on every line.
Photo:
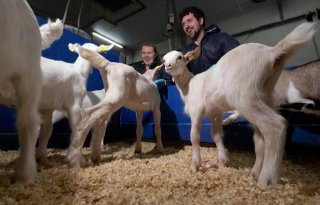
[197,12]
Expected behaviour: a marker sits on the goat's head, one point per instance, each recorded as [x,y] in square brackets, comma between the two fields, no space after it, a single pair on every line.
[94,57]
[90,46]
[175,63]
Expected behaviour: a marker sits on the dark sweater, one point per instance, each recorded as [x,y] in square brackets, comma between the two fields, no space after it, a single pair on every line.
[214,45]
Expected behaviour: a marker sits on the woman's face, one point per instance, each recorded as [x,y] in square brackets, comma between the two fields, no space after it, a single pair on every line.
[148,55]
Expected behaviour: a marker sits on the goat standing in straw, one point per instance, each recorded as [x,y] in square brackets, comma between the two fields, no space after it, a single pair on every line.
[20,52]
[124,88]
[243,79]
[98,132]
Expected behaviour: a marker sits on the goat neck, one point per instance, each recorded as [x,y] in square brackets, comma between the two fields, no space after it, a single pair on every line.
[84,66]
[182,81]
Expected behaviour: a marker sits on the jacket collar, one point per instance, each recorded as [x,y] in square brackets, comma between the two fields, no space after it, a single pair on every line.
[155,63]
[212,29]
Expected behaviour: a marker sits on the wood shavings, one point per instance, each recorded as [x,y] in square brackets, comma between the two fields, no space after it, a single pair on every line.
[150,178]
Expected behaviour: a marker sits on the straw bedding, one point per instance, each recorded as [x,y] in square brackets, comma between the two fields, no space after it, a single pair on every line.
[150,178]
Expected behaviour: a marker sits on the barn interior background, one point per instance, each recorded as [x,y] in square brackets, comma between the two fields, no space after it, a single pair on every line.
[151,178]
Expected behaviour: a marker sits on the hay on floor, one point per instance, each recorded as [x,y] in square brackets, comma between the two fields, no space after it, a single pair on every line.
[150,178]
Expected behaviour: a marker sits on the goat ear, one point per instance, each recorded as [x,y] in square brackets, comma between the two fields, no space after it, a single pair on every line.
[74,47]
[191,55]
[105,48]
[187,59]
[95,58]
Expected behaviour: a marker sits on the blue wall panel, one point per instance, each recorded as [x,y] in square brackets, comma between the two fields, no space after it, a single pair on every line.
[303,129]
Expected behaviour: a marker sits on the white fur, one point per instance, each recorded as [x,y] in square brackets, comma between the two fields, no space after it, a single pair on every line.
[298,85]
[50,32]
[243,79]
[294,95]
[91,98]
[124,88]
[20,52]
[98,132]
[63,87]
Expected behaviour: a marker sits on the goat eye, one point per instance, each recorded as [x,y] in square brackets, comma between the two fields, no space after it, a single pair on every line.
[179,57]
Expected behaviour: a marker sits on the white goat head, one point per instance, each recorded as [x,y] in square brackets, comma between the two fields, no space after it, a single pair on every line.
[175,63]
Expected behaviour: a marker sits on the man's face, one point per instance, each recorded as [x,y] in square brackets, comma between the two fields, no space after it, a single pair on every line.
[148,55]
[191,26]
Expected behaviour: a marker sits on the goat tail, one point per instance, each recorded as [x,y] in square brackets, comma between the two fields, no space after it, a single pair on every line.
[297,38]
[50,32]
[97,60]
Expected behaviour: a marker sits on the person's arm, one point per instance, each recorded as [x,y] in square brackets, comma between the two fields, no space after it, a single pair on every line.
[140,68]
[161,78]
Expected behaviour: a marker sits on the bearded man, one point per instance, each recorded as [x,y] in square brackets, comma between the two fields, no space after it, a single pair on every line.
[212,43]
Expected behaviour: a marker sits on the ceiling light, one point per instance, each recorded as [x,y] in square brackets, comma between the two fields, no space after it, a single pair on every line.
[106,39]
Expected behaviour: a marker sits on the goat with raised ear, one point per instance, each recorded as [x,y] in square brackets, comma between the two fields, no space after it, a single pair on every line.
[124,88]
[63,88]
[50,32]
[243,79]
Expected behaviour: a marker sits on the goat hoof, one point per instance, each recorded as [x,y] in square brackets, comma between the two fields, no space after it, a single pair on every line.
[137,152]
[224,162]
[159,149]
[42,160]
[255,172]
[25,172]
[95,159]
[41,156]
[265,179]
[195,168]
[74,164]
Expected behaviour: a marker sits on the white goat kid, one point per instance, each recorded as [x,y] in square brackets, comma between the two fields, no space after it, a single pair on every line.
[243,79]
[63,88]
[124,88]
[298,85]
[98,132]
[20,69]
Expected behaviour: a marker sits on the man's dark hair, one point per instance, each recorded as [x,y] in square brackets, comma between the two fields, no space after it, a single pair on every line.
[197,12]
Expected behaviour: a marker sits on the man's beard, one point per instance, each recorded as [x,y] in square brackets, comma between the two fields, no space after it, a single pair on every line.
[196,34]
